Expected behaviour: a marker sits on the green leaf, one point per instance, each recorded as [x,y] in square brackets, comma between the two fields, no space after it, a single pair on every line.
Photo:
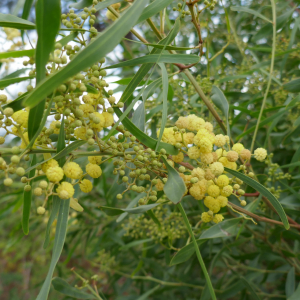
[143,137]
[290,283]
[165,82]
[6,82]
[60,235]
[138,118]
[292,86]
[11,21]
[61,143]
[144,69]
[149,292]
[174,187]
[250,11]
[17,103]
[296,295]
[81,4]
[152,9]
[260,188]
[63,287]
[249,288]
[221,102]
[150,89]
[135,243]
[92,53]
[158,58]
[221,230]
[19,53]
[100,5]
[111,211]
[169,47]
[47,12]
[268,28]
[27,196]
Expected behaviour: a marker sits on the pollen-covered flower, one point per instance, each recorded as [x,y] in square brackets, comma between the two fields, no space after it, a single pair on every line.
[54,127]
[99,124]
[80,133]
[48,164]
[260,154]
[238,147]
[195,123]
[232,156]
[198,189]
[108,119]
[212,204]
[95,159]
[86,185]
[159,185]
[72,170]
[213,190]
[222,201]
[182,123]
[220,140]
[93,170]
[55,174]
[245,154]
[218,218]
[206,217]
[194,152]
[65,190]
[207,158]
[226,191]
[21,117]
[216,168]
[178,158]
[205,145]
[198,172]
[87,109]
[222,181]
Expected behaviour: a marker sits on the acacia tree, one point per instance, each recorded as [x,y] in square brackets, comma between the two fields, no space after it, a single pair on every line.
[177,180]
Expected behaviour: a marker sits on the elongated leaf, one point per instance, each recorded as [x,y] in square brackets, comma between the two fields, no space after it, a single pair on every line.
[250,11]
[143,137]
[296,294]
[19,53]
[135,243]
[11,21]
[249,288]
[27,201]
[221,102]
[60,235]
[81,4]
[149,90]
[268,28]
[153,8]
[174,187]
[148,293]
[290,283]
[17,103]
[111,211]
[6,82]
[293,86]
[138,118]
[159,46]
[130,205]
[158,58]
[224,229]
[165,82]
[47,12]
[61,144]
[62,153]
[89,55]
[63,287]
[260,188]
[143,71]
[101,5]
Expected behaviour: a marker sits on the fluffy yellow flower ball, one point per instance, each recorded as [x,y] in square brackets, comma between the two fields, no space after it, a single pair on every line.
[95,159]
[213,191]
[87,109]
[260,154]
[188,138]
[53,126]
[110,16]
[195,123]
[93,170]
[209,175]
[216,168]
[108,119]
[86,185]
[198,172]
[218,218]
[220,152]
[80,133]
[232,156]
[238,147]
[65,190]
[160,185]
[206,217]
[220,140]
[178,158]
[226,191]
[245,154]
[208,126]
[182,123]
[55,174]
[207,158]
[72,170]
[168,136]
[48,164]
[222,201]
[212,204]
[205,145]
[222,181]
[194,152]
[21,117]
[98,126]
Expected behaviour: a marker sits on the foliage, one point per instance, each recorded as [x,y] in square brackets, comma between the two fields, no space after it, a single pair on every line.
[125,169]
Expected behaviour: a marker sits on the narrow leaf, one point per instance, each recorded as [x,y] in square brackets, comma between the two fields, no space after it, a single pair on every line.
[250,11]
[292,86]
[290,283]
[111,211]
[174,187]
[6,82]
[138,118]
[260,188]
[11,21]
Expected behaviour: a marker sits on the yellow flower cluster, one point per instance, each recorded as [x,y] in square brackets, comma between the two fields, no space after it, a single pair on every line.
[209,181]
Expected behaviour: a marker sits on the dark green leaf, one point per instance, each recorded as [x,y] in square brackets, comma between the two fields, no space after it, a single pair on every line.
[138,118]
[19,53]
[92,53]
[174,187]
[101,5]
[63,287]
[135,243]
[111,211]
[249,288]
[6,82]
[82,4]
[292,86]
[11,21]
[158,58]
[260,188]
[250,11]
[290,283]
[296,295]
[27,201]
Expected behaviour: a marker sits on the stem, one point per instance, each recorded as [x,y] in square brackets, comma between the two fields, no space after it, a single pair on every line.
[203,267]
[270,75]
